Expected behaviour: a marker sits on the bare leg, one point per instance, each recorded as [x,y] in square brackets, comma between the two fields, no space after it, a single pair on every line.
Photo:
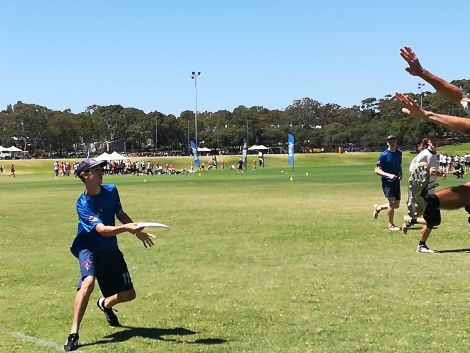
[121,297]
[425,233]
[81,301]
[393,204]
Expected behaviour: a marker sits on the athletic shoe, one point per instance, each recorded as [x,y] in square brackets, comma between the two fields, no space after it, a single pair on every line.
[422,248]
[393,228]
[72,343]
[108,313]
[417,189]
[375,213]
[406,224]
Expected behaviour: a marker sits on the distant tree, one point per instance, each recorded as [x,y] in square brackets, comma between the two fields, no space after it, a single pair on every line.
[63,131]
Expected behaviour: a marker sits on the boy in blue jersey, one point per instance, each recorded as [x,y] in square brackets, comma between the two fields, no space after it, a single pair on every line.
[96,247]
[389,168]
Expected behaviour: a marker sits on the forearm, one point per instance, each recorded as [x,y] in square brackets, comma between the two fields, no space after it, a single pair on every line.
[380,172]
[457,124]
[123,217]
[109,231]
[446,89]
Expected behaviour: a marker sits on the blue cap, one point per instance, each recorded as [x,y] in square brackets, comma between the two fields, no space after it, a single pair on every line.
[88,164]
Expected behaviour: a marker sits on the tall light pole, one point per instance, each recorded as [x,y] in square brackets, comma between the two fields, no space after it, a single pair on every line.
[420,85]
[156,133]
[194,76]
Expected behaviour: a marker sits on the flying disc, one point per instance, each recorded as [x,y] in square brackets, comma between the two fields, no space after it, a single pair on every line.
[152,225]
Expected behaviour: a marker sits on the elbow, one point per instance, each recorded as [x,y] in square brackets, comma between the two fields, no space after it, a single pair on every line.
[102,230]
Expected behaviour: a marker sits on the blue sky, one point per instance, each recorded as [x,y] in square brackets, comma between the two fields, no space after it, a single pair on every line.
[72,54]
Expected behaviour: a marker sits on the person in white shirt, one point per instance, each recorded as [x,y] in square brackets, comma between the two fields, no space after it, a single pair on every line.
[449,198]
[428,155]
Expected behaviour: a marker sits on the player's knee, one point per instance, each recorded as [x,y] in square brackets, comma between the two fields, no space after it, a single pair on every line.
[129,295]
[132,295]
[88,285]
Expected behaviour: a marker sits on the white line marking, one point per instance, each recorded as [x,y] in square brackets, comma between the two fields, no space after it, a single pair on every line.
[38,341]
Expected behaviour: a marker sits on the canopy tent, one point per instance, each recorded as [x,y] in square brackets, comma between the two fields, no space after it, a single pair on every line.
[10,149]
[258,148]
[103,157]
[118,157]
[111,157]
[203,149]
[15,149]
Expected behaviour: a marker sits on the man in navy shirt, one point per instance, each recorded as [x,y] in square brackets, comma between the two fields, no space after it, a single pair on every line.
[96,247]
[389,168]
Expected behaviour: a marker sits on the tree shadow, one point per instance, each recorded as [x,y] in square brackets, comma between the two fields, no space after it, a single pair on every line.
[158,334]
[452,251]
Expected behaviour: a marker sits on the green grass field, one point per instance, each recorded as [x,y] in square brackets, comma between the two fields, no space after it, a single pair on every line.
[254,262]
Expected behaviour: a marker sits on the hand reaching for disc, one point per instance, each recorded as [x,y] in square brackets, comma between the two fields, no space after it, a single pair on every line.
[146,238]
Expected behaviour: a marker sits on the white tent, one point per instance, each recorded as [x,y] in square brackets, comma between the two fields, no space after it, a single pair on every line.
[111,157]
[203,149]
[10,149]
[117,157]
[258,148]
[103,157]
[15,149]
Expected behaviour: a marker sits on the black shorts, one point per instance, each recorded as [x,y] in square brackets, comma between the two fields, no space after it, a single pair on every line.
[392,190]
[109,268]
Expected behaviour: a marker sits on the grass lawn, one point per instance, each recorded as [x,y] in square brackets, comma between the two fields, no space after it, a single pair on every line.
[268,260]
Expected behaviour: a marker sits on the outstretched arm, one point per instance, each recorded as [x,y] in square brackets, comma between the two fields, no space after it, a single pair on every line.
[446,89]
[127,226]
[413,109]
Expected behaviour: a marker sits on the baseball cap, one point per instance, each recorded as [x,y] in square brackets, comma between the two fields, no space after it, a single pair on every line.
[391,137]
[88,164]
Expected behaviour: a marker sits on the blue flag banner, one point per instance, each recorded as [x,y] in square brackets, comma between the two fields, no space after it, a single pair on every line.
[290,151]
[196,156]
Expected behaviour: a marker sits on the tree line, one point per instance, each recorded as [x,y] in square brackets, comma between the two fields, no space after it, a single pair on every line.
[39,130]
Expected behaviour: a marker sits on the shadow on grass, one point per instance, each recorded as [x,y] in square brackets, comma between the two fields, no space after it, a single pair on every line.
[158,334]
[451,251]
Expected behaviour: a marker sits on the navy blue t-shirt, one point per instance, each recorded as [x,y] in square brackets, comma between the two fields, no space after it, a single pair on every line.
[390,162]
[93,210]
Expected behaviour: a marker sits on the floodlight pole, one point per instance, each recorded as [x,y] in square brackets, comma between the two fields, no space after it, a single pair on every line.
[156,133]
[420,85]
[194,76]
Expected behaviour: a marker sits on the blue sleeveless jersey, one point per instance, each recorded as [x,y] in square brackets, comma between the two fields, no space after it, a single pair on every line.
[93,210]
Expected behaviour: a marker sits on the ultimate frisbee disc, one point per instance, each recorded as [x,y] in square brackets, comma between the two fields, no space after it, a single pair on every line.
[152,225]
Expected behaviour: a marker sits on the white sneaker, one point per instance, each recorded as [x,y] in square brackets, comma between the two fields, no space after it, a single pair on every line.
[417,183]
[393,228]
[424,249]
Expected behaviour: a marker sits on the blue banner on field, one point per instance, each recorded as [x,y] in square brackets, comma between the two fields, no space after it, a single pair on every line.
[290,151]
[196,156]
